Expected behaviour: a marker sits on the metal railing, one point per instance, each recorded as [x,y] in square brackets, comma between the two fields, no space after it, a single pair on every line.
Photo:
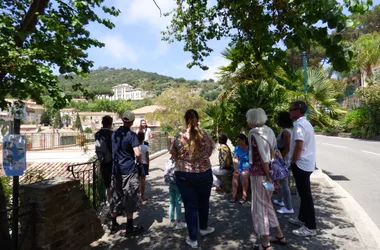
[49,141]
[88,173]
[26,224]
[158,142]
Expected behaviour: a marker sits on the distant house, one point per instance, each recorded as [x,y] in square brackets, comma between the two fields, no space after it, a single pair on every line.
[30,113]
[141,115]
[68,116]
[79,100]
[93,120]
[124,92]
[34,113]
[375,70]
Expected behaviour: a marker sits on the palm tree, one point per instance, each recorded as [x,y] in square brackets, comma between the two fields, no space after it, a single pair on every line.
[324,108]
[368,53]
[67,119]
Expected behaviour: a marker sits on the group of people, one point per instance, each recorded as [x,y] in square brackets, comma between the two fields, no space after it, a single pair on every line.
[251,165]
[124,165]
[189,173]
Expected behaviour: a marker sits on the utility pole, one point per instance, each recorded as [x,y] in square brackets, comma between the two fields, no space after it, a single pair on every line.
[306,85]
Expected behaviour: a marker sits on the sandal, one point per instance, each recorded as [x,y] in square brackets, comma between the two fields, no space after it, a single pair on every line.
[134,231]
[243,200]
[114,228]
[233,200]
[278,240]
[266,247]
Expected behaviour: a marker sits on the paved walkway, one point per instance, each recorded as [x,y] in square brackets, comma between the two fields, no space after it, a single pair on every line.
[233,222]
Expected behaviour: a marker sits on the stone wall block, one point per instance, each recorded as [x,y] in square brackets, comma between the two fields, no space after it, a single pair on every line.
[65,218]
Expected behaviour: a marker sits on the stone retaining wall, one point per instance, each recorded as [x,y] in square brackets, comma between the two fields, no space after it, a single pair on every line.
[65,218]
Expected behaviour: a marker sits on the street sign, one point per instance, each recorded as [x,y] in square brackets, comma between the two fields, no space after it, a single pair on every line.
[14,155]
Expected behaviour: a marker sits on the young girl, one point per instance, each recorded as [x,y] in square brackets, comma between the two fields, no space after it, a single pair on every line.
[175,197]
[145,163]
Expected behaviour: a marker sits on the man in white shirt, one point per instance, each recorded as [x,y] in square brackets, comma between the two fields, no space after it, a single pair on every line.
[302,163]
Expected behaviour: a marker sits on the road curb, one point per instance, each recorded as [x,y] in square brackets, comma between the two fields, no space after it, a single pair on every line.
[365,226]
[158,154]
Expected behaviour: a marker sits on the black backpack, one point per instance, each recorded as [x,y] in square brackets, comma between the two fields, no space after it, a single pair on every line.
[102,151]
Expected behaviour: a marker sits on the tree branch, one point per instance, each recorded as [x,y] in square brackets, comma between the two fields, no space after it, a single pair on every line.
[27,25]
[30,20]
[154,1]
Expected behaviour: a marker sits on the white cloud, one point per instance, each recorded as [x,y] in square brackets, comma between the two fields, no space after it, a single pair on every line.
[214,64]
[162,48]
[116,47]
[134,11]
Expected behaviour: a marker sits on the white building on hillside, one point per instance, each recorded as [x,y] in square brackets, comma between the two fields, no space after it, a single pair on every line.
[124,92]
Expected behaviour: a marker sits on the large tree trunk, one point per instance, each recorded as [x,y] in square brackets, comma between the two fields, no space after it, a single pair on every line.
[5,238]
[26,26]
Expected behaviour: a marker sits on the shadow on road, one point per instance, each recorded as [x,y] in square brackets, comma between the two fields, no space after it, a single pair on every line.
[233,223]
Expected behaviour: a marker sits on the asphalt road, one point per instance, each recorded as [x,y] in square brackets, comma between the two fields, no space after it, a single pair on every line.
[359,162]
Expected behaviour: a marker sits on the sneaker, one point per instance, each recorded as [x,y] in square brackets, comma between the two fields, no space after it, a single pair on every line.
[304,232]
[134,231]
[193,244]
[180,225]
[284,210]
[207,231]
[172,224]
[280,203]
[296,221]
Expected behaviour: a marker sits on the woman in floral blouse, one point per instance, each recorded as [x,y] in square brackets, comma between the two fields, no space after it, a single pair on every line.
[192,149]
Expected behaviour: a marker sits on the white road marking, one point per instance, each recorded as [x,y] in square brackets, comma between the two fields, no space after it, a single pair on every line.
[334,145]
[372,153]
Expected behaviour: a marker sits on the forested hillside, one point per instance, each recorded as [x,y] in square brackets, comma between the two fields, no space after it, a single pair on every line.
[101,81]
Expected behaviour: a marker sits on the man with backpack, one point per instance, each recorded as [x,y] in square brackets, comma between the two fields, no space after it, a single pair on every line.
[103,149]
[125,184]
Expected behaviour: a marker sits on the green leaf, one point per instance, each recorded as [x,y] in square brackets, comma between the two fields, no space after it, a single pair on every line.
[340,64]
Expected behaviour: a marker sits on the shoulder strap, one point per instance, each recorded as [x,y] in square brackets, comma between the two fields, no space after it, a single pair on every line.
[272,152]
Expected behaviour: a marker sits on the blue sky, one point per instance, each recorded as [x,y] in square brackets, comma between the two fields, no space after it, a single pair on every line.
[136,43]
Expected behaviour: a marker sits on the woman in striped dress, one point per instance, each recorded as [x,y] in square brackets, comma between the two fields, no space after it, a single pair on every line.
[261,139]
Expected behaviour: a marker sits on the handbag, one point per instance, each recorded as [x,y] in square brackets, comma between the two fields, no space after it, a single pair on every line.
[170,167]
[279,169]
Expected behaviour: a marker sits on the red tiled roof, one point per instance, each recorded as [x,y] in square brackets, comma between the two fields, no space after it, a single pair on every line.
[49,170]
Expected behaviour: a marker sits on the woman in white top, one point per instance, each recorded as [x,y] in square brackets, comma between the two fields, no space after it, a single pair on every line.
[284,198]
[144,168]
[146,130]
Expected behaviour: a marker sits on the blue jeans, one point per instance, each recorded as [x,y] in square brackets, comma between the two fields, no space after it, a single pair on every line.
[195,190]
[284,194]
[175,202]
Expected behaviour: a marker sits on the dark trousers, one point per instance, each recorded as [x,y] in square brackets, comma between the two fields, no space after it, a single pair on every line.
[195,189]
[306,213]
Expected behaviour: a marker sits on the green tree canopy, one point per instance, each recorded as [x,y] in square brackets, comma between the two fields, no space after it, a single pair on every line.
[257,28]
[78,123]
[58,120]
[46,119]
[368,52]
[38,35]
[367,23]
[174,103]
